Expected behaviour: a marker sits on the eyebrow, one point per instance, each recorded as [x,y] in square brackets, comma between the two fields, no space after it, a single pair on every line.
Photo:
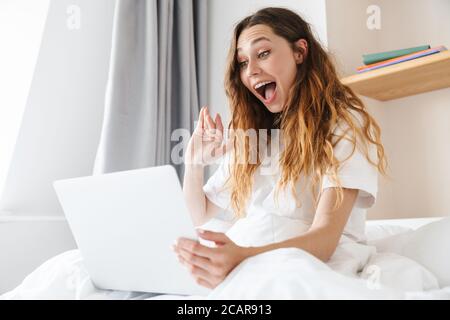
[254,41]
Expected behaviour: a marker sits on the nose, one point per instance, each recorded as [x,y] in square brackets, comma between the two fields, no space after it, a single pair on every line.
[252,68]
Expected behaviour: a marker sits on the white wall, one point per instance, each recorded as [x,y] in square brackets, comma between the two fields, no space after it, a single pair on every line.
[415,129]
[21,28]
[59,134]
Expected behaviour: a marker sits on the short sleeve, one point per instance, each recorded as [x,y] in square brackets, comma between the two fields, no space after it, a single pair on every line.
[356,172]
[215,189]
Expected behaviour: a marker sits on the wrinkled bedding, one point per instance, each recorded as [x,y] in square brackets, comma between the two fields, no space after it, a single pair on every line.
[354,272]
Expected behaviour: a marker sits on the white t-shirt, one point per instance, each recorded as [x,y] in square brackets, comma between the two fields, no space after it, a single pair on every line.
[269,221]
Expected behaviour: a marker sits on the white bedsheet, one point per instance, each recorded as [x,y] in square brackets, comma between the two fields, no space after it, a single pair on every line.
[355,272]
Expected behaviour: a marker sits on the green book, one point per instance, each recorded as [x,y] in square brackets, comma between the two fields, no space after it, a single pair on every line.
[381,56]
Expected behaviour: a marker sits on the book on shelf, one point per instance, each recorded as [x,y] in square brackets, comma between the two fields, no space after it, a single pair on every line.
[401,59]
[382,56]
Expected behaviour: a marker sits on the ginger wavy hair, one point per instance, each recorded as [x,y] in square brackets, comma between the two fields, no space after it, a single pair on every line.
[317,102]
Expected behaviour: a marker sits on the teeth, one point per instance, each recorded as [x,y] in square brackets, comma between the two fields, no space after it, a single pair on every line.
[259,85]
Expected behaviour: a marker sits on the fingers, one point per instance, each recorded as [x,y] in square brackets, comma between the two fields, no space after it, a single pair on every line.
[201,118]
[214,129]
[195,247]
[219,124]
[202,277]
[218,237]
[213,124]
[211,130]
[208,120]
[205,283]
[195,260]
[205,120]
[212,135]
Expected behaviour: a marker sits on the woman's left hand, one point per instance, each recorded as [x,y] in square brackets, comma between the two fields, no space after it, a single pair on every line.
[209,266]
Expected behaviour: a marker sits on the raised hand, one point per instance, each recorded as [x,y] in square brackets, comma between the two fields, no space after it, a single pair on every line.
[206,143]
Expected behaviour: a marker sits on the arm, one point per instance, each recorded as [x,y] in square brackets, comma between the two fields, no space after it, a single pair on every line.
[204,145]
[200,208]
[323,237]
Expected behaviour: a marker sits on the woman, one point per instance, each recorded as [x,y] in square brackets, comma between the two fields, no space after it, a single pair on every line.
[279,77]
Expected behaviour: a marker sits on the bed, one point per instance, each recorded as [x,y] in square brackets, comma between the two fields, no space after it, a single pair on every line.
[409,260]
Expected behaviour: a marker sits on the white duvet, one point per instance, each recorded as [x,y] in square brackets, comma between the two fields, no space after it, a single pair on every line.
[279,274]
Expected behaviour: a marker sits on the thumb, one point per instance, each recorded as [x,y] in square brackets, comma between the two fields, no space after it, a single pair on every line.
[227,145]
[219,152]
[217,237]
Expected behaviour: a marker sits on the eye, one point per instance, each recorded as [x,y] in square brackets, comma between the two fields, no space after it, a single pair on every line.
[242,64]
[263,54]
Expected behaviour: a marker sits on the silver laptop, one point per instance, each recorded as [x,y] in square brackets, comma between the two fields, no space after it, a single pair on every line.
[124,224]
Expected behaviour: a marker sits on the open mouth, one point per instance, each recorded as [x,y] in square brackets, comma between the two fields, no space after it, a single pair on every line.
[267,91]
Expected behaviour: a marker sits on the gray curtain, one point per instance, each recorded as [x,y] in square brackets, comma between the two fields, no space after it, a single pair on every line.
[157,81]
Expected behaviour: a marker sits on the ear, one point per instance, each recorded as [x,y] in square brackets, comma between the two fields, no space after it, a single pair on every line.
[301,50]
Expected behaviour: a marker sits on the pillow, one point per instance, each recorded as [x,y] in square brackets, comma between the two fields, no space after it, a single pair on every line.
[430,246]
[380,231]
[391,244]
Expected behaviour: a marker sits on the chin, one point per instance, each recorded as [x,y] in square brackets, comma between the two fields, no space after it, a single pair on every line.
[275,108]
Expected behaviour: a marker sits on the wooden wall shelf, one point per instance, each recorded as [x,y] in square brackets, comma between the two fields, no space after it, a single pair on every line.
[403,79]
